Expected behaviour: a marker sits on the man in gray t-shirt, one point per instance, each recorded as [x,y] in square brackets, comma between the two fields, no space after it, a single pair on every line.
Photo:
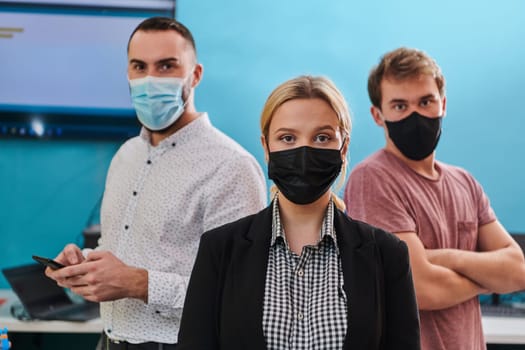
[458,249]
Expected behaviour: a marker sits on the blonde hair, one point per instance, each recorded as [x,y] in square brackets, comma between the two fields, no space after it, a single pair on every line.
[308,87]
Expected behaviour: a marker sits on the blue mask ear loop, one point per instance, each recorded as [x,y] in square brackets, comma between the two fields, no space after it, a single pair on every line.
[184,82]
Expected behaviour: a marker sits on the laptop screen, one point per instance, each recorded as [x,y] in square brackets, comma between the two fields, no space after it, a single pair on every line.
[35,290]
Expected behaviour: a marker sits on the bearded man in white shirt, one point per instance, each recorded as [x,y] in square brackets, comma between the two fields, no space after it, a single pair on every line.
[179,178]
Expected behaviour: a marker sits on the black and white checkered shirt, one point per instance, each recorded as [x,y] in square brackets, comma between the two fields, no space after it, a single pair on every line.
[305,305]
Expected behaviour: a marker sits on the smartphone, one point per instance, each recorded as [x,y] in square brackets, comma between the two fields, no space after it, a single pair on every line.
[55,265]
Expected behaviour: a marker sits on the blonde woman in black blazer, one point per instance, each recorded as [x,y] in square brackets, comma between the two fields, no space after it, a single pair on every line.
[301,274]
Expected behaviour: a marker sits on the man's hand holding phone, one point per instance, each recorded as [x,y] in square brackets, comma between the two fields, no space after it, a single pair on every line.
[71,255]
[54,265]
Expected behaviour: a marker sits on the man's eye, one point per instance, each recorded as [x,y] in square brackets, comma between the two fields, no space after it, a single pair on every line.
[399,107]
[166,67]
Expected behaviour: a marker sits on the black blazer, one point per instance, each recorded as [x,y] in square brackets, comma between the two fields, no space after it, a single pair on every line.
[224,301]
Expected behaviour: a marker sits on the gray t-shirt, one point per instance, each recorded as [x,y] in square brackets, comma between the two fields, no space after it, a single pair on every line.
[444,213]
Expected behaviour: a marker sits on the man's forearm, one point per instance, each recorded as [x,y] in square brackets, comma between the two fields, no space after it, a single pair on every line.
[499,271]
[441,287]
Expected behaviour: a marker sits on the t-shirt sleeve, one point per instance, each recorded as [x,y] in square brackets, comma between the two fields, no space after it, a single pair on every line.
[486,214]
[371,195]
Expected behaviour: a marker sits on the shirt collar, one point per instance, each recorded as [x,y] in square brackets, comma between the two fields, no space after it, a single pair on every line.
[327,228]
[188,131]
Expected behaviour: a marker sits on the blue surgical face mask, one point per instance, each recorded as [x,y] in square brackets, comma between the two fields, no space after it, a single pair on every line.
[157,101]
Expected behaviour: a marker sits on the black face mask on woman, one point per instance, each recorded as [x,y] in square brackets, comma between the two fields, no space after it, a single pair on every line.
[305,173]
[416,136]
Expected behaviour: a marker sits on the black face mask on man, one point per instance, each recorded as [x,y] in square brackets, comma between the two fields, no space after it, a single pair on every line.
[416,136]
[305,173]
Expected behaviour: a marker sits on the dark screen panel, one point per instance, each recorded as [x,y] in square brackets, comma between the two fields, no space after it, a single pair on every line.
[34,289]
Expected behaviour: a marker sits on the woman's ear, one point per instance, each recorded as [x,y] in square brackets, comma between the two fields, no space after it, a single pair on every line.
[265,148]
[344,149]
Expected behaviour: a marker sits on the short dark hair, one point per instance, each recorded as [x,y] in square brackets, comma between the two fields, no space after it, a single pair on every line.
[162,24]
[400,64]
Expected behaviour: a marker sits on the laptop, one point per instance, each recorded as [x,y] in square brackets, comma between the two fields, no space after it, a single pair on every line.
[43,299]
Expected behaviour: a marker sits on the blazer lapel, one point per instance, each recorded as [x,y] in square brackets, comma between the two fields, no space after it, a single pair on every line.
[249,265]
[358,258]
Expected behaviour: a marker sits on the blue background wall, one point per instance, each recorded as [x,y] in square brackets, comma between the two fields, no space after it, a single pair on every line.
[49,188]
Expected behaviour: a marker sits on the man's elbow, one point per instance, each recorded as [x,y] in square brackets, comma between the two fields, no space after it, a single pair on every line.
[520,272]
[514,275]
[516,280]
[520,282]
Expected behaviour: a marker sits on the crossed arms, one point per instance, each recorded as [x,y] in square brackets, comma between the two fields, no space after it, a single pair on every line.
[446,277]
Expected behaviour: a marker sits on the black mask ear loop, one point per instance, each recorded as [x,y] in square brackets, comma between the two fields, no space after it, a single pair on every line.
[267,147]
[274,190]
[342,146]
[343,166]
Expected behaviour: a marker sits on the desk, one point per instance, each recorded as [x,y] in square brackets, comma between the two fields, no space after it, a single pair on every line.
[504,330]
[14,325]
[498,330]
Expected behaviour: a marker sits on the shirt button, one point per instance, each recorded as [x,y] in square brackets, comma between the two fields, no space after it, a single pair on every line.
[126,227]
[109,330]
[134,193]
[149,161]
[173,144]
[300,273]
[300,315]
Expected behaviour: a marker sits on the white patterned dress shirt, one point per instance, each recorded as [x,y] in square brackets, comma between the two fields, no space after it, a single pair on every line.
[157,203]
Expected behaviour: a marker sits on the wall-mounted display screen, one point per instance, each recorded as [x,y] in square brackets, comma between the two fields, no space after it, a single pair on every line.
[63,66]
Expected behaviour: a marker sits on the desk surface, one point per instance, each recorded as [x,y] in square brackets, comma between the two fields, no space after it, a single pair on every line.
[14,325]
[504,330]
[498,330]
